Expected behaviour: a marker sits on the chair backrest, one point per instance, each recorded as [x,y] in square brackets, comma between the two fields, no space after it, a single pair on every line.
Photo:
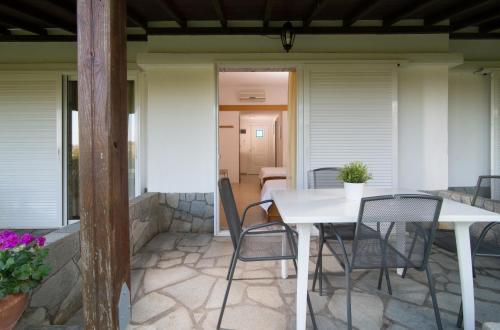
[230,210]
[395,231]
[487,187]
[324,178]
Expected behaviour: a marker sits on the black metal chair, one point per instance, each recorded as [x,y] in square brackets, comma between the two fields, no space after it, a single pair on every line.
[255,243]
[325,178]
[487,188]
[391,232]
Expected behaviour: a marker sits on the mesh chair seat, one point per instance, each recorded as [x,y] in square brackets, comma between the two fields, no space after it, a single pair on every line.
[369,253]
[445,239]
[346,230]
[265,246]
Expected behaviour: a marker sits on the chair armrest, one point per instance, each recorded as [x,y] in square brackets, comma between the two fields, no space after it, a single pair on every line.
[341,242]
[264,225]
[253,205]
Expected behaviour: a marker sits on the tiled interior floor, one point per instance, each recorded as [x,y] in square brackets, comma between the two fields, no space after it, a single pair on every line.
[246,192]
[178,282]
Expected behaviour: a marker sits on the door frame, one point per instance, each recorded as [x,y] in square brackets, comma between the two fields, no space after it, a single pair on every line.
[271,66]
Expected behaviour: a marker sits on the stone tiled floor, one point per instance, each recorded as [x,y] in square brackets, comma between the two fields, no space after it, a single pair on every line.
[178,282]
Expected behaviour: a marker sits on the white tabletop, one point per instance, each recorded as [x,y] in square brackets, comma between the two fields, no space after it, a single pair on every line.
[330,205]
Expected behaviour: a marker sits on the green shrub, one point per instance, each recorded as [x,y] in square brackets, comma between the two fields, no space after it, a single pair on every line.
[354,172]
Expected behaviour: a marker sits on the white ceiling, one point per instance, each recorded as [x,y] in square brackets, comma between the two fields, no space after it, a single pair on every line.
[253,79]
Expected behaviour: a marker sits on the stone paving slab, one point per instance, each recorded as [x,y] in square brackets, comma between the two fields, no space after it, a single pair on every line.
[179,282]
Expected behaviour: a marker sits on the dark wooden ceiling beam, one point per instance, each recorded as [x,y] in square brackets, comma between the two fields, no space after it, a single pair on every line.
[298,30]
[217,5]
[69,7]
[474,36]
[137,19]
[318,7]
[60,38]
[477,20]
[168,7]
[454,11]
[407,12]
[22,24]
[45,17]
[361,11]
[488,27]
[4,31]
[267,12]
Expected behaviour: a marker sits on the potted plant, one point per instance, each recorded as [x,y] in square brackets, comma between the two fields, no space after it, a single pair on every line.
[22,268]
[354,175]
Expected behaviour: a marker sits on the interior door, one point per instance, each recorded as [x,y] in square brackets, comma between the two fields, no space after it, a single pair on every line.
[261,147]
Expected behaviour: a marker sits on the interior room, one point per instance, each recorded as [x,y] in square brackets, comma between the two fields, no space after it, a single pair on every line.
[253,138]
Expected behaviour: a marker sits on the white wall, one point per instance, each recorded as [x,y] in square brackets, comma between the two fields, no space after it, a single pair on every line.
[285,136]
[469,128]
[229,144]
[181,135]
[423,127]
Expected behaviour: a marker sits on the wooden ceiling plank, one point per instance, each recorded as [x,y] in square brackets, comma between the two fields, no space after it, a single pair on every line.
[477,20]
[22,24]
[407,12]
[170,10]
[267,13]
[217,5]
[317,8]
[454,11]
[45,17]
[361,11]
[137,19]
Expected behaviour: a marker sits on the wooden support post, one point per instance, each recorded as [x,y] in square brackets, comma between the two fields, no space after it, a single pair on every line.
[102,105]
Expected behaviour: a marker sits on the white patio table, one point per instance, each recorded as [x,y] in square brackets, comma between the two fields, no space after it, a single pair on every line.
[303,208]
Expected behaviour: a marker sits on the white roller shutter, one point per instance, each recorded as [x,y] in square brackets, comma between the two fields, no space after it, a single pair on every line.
[30,180]
[495,134]
[350,112]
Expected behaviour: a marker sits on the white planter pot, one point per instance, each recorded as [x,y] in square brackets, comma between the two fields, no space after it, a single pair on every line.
[353,191]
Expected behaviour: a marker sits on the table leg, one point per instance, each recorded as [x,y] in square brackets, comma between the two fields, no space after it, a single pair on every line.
[284,251]
[462,237]
[304,231]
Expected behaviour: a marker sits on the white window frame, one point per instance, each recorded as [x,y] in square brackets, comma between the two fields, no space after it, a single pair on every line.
[62,122]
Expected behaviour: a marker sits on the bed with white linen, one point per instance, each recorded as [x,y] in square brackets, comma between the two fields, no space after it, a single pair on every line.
[272,173]
[268,187]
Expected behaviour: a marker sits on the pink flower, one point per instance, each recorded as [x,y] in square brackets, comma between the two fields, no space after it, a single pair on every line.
[26,239]
[40,241]
[8,240]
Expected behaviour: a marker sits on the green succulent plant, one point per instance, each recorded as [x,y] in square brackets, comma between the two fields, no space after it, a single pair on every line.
[354,172]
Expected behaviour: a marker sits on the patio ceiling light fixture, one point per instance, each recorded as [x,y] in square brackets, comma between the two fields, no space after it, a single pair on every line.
[287,36]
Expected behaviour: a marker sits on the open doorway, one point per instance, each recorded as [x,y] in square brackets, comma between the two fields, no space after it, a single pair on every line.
[253,138]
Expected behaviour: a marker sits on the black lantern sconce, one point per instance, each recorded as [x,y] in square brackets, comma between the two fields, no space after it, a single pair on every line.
[287,36]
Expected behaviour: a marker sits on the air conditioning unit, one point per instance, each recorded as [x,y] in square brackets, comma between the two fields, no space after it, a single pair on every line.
[252,96]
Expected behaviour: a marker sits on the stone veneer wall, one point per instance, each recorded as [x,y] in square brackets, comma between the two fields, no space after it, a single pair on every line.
[59,297]
[185,213]
[465,195]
